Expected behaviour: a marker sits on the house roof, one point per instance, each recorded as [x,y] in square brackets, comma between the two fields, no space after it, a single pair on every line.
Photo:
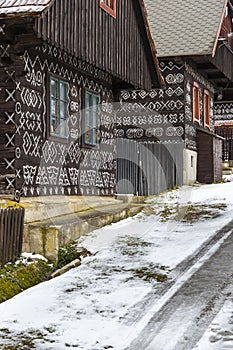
[23,7]
[185,27]
[34,8]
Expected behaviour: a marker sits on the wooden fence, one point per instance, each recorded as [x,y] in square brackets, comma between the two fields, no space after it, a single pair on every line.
[148,168]
[227,146]
[11,234]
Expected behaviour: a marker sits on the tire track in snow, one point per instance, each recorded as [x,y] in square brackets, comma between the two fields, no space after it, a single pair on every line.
[171,321]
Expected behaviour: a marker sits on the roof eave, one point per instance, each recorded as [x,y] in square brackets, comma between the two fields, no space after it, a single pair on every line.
[184,55]
[152,44]
[219,29]
[23,14]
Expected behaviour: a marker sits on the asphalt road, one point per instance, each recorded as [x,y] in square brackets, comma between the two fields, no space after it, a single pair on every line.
[184,317]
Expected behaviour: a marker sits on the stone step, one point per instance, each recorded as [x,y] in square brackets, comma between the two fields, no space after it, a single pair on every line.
[47,236]
[41,208]
[227,171]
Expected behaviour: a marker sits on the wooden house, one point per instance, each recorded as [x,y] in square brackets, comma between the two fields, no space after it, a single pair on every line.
[223,107]
[61,64]
[194,47]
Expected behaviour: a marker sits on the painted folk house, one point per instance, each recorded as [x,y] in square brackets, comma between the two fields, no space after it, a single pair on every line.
[59,61]
[197,65]
[223,109]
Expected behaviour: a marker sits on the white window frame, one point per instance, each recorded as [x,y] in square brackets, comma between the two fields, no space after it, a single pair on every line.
[91,118]
[59,101]
[206,108]
[196,103]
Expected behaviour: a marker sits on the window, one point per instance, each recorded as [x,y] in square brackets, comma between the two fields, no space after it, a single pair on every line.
[196,102]
[91,118]
[206,107]
[109,6]
[58,107]
[192,161]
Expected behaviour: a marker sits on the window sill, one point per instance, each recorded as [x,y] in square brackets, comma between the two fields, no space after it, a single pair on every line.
[58,137]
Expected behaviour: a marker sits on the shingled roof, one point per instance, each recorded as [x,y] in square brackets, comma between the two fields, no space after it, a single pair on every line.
[185,27]
[23,7]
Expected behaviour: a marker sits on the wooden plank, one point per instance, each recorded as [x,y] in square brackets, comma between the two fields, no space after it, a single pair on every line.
[11,234]
[55,29]
[4,235]
[15,233]
[1,235]
[21,230]
[92,34]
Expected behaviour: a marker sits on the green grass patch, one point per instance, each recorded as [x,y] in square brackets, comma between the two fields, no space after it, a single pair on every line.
[70,252]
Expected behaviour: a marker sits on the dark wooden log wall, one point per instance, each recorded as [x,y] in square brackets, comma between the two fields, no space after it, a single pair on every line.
[7,132]
[31,163]
[155,115]
[223,111]
[191,75]
[209,164]
[10,72]
[83,29]
[165,117]
[223,60]
[155,121]
[53,166]
[223,115]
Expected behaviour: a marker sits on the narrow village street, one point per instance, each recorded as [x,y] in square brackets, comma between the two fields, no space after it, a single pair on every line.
[116,139]
[154,281]
[183,318]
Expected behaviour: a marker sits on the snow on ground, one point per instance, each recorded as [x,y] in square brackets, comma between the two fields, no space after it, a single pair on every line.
[219,335]
[86,307]
[29,258]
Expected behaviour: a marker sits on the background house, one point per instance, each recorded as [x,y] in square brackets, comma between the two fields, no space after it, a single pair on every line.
[223,109]
[58,59]
[197,65]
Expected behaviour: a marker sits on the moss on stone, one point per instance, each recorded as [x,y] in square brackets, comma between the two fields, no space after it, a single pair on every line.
[28,276]
[16,278]
[8,288]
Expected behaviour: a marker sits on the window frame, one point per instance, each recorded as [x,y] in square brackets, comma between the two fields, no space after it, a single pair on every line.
[196,102]
[206,108]
[92,124]
[107,7]
[59,101]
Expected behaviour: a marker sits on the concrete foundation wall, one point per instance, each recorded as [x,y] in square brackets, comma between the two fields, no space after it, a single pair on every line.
[190,166]
[42,208]
[55,221]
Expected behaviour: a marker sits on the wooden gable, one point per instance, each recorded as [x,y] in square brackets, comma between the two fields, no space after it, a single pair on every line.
[117,45]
